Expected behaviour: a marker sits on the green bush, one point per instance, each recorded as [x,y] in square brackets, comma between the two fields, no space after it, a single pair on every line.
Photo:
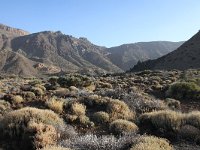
[184,91]
[74,80]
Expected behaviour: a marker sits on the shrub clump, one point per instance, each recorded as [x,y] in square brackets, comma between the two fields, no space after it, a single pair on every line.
[28,95]
[74,80]
[55,148]
[4,107]
[56,105]
[78,109]
[45,135]
[37,91]
[173,104]
[119,110]
[101,117]
[184,91]
[121,126]
[75,113]
[151,143]
[26,126]
[13,99]
[167,119]
[94,100]
[193,119]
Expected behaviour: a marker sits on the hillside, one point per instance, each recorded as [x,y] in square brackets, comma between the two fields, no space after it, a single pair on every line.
[7,33]
[14,63]
[127,55]
[67,52]
[185,57]
[50,52]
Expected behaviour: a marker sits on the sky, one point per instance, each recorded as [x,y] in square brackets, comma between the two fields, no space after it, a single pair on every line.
[106,22]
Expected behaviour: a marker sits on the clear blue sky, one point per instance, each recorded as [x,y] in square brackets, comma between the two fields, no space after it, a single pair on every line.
[106,22]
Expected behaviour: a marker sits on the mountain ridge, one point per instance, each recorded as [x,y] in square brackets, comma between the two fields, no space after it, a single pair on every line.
[49,52]
[184,57]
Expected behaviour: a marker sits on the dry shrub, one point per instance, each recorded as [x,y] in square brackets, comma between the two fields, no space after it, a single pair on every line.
[85,121]
[120,126]
[75,113]
[189,132]
[151,143]
[119,110]
[55,148]
[78,109]
[41,87]
[4,107]
[16,124]
[17,120]
[13,99]
[28,96]
[90,87]
[101,117]
[168,120]
[101,84]
[56,105]
[37,91]
[193,119]
[94,100]
[44,135]
[173,104]
[61,92]
[71,118]
[17,99]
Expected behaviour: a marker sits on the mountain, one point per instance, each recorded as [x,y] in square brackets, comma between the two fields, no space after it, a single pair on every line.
[185,57]
[64,51]
[50,52]
[7,33]
[127,55]
[14,63]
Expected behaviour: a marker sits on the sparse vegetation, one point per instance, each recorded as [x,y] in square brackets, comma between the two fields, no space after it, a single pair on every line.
[114,115]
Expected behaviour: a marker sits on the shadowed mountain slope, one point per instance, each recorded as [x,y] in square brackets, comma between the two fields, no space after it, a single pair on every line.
[127,55]
[185,57]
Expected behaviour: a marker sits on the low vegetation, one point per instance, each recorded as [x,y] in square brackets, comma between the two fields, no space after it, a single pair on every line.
[148,110]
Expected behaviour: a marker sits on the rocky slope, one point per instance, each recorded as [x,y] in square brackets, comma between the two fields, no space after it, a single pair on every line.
[7,33]
[185,57]
[68,53]
[127,55]
[14,63]
[53,52]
